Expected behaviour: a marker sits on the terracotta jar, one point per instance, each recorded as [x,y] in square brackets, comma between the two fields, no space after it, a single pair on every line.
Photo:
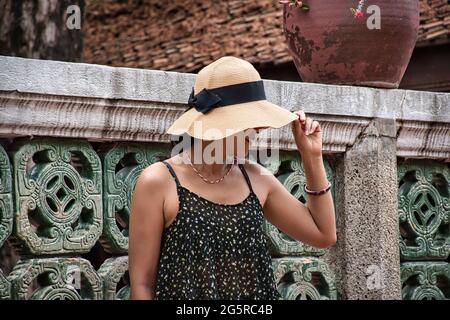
[330,45]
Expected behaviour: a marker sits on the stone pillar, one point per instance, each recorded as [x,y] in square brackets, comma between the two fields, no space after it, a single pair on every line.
[368,234]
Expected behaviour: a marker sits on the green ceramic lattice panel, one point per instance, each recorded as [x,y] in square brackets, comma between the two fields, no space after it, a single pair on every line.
[113,272]
[304,278]
[4,287]
[291,175]
[122,164]
[424,210]
[58,195]
[55,279]
[6,207]
[425,280]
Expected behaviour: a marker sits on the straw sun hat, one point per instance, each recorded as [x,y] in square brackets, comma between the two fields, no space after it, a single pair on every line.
[228,97]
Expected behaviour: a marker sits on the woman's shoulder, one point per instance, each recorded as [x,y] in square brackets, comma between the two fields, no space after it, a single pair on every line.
[253,167]
[155,175]
[259,175]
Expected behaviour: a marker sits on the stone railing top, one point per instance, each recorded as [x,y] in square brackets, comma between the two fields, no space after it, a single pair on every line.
[76,100]
[96,81]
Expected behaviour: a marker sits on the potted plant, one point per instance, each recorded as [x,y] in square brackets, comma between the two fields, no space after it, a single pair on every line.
[364,42]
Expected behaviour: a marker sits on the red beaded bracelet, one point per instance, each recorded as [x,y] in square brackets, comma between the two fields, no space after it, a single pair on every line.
[317,193]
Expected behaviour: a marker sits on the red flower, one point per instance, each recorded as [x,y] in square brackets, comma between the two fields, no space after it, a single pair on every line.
[359,13]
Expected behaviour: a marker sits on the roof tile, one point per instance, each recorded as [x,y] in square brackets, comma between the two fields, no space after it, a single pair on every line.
[185,35]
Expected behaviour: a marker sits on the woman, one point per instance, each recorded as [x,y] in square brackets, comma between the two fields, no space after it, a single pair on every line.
[195,229]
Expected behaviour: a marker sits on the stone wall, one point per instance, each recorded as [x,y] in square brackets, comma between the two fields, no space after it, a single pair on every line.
[74,138]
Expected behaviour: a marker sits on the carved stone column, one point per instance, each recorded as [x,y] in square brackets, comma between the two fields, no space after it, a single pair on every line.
[368,245]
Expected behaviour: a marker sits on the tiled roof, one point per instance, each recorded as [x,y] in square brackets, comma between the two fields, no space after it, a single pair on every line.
[185,35]
[434,20]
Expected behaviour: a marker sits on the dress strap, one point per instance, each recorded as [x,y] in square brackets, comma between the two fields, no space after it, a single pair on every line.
[172,172]
[241,166]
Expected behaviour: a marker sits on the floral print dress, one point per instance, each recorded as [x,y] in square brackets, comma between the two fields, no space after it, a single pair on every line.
[215,251]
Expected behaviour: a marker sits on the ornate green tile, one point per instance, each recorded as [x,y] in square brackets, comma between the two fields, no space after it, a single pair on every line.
[58,195]
[112,272]
[55,279]
[425,280]
[4,287]
[290,172]
[122,164]
[6,207]
[304,278]
[424,210]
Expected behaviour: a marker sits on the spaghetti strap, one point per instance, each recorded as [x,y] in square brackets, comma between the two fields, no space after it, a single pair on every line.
[172,172]
[241,166]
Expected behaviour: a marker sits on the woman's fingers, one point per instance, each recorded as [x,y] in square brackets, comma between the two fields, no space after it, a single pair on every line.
[301,115]
[315,126]
[307,124]
[301,119]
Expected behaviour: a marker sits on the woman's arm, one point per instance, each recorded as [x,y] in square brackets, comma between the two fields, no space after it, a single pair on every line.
[146,225]
[314,222]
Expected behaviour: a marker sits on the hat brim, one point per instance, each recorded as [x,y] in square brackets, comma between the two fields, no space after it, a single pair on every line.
[222,122]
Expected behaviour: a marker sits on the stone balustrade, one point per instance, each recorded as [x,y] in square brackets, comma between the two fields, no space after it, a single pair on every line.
[74,138]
